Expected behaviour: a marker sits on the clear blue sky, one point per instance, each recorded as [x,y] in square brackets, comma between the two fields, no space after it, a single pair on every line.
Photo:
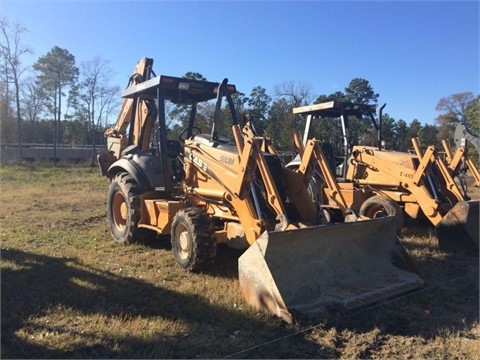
[413,53]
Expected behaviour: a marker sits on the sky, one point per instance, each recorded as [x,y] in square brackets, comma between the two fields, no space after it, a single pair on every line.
[413,53]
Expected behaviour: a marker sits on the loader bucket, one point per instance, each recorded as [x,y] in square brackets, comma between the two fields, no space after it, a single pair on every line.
[458,230]
[305,271]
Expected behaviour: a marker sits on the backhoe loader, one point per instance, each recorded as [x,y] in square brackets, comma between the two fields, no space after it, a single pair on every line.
[378,182]
[464,133]
[206,188]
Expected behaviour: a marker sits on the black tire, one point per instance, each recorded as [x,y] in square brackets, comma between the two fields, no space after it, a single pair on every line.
[123,210]
[193,242]
[381,206]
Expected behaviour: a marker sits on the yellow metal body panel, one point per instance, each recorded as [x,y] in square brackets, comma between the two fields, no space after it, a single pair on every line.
[158,214]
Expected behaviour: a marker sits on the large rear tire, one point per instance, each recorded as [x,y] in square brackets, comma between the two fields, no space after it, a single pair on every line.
[193,242]
[381,206]
[123,210]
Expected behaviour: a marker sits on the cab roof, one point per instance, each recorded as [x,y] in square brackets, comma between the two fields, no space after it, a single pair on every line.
[176,90]
[334,109]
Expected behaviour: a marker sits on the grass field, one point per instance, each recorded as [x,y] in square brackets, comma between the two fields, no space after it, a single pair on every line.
[69,291]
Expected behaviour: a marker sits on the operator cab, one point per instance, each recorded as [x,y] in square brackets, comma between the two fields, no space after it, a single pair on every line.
[321,122]
[144,105]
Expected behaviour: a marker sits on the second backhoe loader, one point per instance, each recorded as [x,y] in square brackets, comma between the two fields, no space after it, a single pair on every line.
[206,188]
[378,182]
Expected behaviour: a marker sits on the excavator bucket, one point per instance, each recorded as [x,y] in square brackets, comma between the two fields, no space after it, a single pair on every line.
[306,271]
[458,229]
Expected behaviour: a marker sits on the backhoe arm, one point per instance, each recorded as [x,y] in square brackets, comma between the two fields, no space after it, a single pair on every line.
[141,112]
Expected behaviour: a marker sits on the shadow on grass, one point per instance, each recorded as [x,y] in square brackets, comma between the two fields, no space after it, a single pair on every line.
[448,302]
[158,242]
[455,239]
[36,286]
[226,262]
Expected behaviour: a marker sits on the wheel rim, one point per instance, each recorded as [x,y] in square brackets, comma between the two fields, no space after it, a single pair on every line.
[184,243]
[119,211]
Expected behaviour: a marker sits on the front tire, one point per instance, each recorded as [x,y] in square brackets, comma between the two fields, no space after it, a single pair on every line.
[381,206]
[123,210]
[193,242]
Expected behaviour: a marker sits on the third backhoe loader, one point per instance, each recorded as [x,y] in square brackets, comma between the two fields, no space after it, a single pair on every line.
[459,162]
[376,181]
[207,187]
[464,133]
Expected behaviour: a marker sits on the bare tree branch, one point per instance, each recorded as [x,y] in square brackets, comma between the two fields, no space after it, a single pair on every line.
[11,51]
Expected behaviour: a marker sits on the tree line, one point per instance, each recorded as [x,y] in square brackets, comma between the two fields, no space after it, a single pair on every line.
[57,101]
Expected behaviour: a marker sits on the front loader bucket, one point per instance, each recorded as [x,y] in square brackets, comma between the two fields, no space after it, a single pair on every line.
[458,229]
[306,270]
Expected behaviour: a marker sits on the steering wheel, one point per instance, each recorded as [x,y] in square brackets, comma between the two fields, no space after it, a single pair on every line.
[195,131]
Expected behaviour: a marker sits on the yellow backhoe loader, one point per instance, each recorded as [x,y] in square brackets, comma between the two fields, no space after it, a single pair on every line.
[205,188]
[378,182]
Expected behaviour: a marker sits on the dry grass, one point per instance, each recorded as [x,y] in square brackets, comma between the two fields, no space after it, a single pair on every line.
[69,291]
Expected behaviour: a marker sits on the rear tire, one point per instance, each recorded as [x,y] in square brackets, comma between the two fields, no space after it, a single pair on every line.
[123,210]
[193,242]
[381,206]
